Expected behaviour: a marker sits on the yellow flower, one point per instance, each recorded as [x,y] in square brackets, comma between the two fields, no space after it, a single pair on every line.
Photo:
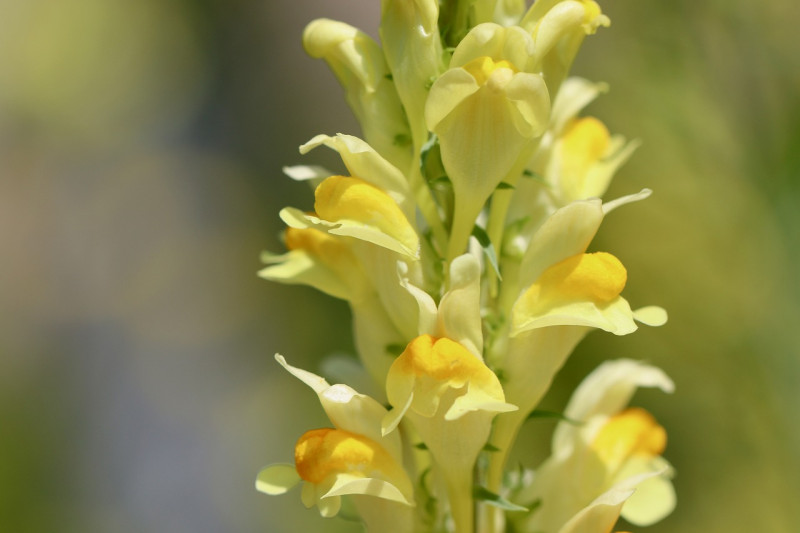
[430,368]
[352,207]
[564,286]
[320,260]
[354,458]
[486,111]
[450,397]
[595,466]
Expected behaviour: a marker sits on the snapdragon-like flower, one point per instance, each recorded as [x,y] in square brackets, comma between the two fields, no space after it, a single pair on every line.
[450,396]
[353,458]
[459,235]
[486,110]
[606,457]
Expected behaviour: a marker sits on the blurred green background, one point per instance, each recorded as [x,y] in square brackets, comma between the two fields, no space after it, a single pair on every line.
[140,153]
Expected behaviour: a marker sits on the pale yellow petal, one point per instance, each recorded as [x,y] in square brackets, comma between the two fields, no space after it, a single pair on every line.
[460,307]
[654,498]
[298,267]
[361,210]
[363,161]
[512,44]
[651,315]
[565,233]
[277,479]
[346,485]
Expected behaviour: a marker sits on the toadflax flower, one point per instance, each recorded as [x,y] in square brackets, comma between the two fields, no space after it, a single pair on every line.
[353,458]
[606,458]
[450,398]
[459,233]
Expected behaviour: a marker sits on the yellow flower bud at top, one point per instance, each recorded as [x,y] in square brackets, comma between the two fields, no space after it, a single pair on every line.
[340,198]
[633,432]
[481,68]
[321,453]
[598,277]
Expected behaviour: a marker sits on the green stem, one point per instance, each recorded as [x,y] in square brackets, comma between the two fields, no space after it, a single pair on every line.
[427,206]
[462,507]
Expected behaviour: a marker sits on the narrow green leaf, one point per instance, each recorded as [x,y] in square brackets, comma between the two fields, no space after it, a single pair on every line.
[425,150]
[534,176]
[485,495]
[488,248]
[503,186]
[552,414]
[489,447]
[421,446]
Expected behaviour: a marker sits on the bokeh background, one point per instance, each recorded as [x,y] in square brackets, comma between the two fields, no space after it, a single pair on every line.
[141,146]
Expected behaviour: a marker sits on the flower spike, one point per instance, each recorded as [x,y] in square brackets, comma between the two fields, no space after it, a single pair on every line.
[459,234]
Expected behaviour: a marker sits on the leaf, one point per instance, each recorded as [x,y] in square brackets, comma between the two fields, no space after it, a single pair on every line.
[534,176]
[485,495]
[425,150]
[489,447]
[395,348]
[488,248]
[503,186]
[552,414]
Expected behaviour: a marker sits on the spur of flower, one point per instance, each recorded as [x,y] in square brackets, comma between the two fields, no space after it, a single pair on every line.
[460,236]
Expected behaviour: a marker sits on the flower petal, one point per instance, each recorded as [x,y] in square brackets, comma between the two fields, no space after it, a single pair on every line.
[459,309]
[277,479]
[345,485]
[298,267]
[510,43]
[363,161]
[574,95]
[654,498]
[348,410]
[565,233]
[651,315]
[607,391]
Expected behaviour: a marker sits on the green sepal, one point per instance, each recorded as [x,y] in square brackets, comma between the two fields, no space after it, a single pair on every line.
[491,448]
[485,495]
[535,176]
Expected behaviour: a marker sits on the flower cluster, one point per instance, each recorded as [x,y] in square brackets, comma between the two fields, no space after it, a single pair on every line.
[459,239]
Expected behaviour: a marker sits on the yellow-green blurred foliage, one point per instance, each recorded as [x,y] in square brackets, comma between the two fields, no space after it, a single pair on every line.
[140,153]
